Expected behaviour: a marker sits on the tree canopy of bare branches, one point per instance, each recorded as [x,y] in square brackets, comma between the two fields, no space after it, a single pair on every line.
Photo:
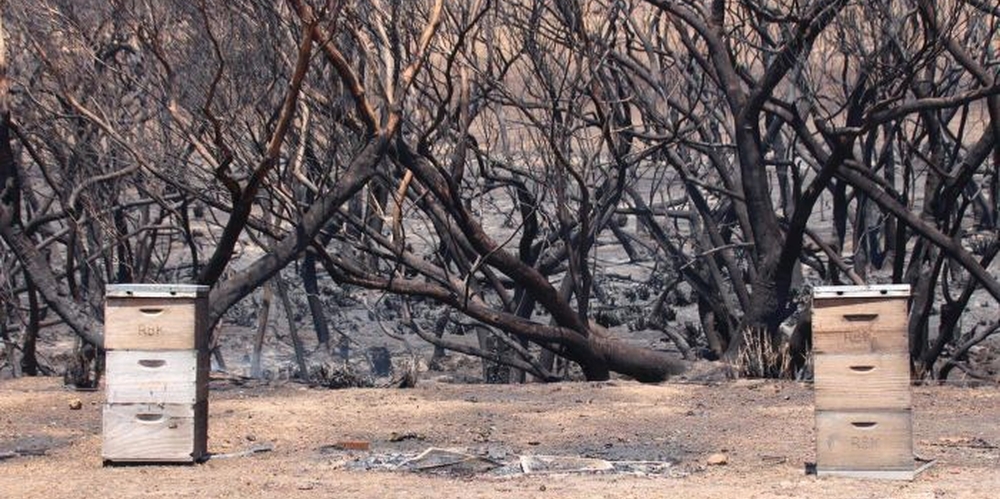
[485,156]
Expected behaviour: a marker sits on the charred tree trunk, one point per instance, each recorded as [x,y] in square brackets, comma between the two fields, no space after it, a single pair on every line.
[189,237]
[293,328]
[29,354]
[716,329]
[311,285]
[125,257]
[263,313]
[839,226]
[9,346]
[494,372]
[10,183]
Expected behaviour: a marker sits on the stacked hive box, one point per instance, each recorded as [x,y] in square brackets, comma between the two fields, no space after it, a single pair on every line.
[862,381]
[157,373]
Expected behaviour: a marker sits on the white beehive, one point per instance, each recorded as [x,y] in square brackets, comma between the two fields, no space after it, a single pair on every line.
[156,407]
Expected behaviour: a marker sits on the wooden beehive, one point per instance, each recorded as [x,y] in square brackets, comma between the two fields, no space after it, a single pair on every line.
[156,407]
[862,381]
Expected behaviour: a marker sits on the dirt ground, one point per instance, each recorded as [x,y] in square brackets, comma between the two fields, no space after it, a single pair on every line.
[764,429]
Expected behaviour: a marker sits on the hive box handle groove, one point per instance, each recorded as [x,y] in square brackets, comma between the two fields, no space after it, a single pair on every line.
[151,310]
[862,369]
[148,417]
[860,317]
[152,363]
[864,425]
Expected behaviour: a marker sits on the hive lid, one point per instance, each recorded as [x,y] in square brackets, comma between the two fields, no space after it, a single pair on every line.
[156,291]
[871,291]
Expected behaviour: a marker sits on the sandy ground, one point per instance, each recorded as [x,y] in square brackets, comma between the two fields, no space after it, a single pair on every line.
[765,429]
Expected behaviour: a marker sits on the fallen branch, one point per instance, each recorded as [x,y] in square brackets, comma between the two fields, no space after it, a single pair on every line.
[254,449]
[21,453]
[967,442]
